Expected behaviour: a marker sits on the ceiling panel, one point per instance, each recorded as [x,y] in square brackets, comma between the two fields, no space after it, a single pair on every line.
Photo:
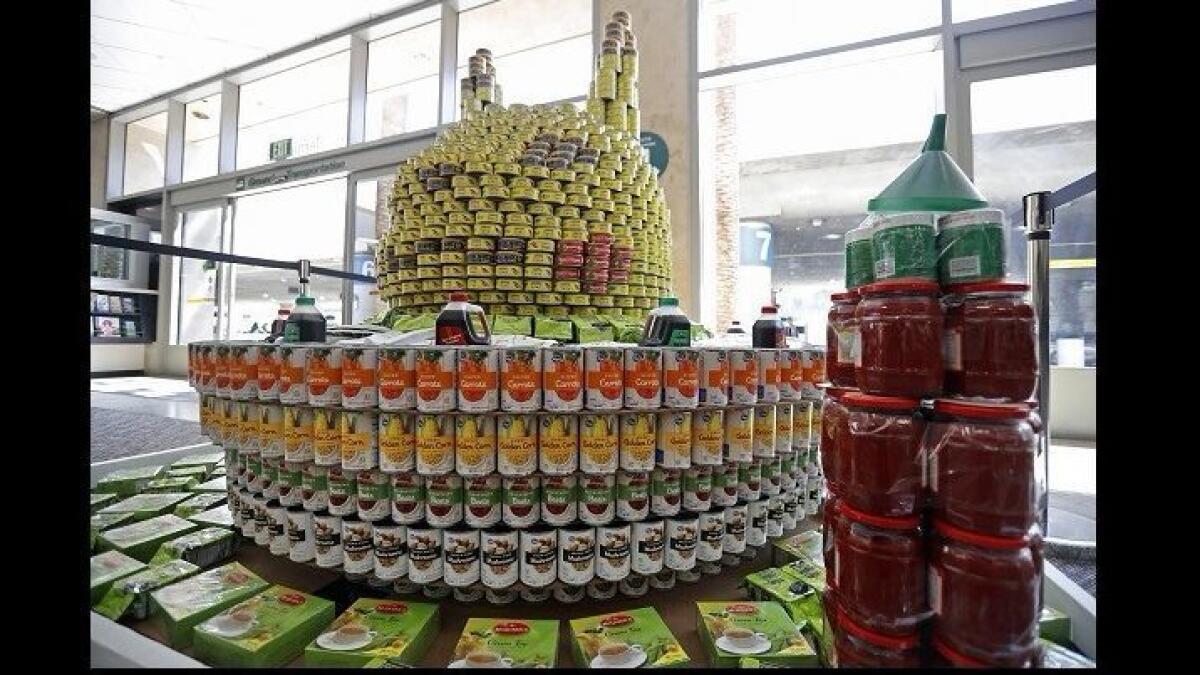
[143,48]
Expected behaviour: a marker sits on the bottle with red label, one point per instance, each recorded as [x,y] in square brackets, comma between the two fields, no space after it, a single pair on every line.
[462,323]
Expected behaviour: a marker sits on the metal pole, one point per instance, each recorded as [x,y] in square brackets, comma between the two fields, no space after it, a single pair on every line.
[1039,221]
[304,267]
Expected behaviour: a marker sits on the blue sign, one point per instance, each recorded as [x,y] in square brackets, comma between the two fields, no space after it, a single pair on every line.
[755,245]
[654,148]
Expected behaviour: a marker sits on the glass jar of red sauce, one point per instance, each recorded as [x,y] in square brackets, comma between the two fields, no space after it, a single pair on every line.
[879,461]
[944,656]
[982,466]
[900,339]
[990,347]
[859,647]
[880,571]
[833,433]
[827,536]
[985,594]
[841,339]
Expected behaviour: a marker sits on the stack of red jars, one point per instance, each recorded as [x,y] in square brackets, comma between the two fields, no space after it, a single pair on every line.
[928,450]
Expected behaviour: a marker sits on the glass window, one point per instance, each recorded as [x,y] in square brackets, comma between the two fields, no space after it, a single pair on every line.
[201,129]
[1020,149]
[305,108]
[371,220]
[198,278]
[789,157]
[965,10]
[402,81]
[290,224]
[107,262]
[542,49]
[744,31]
[145,153]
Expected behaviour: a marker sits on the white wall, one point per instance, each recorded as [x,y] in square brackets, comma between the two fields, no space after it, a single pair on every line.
[109,358]
[1073,403]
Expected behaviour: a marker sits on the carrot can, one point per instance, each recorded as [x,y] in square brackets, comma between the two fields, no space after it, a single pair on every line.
[768,375]
[714,376]
[293,363]
[791,375]
[396,372]
[324,376]
[562,378]
[436,368]
[643,378]
[266,371]
[221,369]
[743,373]
[604,373]
[359,366]
[243,371]
[681,378]
[520,379]
[478,379]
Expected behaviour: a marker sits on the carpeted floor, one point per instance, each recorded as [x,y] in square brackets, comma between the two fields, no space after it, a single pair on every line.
[119,433]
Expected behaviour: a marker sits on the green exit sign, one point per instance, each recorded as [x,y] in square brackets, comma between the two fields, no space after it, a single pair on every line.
[281,149]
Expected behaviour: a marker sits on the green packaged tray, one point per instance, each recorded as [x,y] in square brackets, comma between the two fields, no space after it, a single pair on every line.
[371,629]
[147,505]
[141,539]
[130,596]
[108,567]
[181,606]
[279,622]
[128,482]
[199,503]
[219,516]
[205,547]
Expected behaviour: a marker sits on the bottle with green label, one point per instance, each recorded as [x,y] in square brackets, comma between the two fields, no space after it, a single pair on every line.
[305,323]
[667,326]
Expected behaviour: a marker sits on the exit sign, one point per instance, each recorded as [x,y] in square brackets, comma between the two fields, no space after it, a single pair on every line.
[281,149]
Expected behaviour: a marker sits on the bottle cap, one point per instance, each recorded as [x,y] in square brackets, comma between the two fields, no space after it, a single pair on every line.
[770,309]
[306,300]
[459,296]
[668,302]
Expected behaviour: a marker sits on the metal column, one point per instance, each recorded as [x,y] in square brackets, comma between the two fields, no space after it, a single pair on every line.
[1039,221]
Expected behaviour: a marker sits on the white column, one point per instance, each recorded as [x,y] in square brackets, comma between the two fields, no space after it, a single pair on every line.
[227,135]
[356,129]
[448,80]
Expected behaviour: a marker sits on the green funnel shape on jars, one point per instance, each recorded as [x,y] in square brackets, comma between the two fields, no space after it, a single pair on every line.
[932,182]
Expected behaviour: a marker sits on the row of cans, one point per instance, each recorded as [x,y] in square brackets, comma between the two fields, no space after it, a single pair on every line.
[514,444]
[502,557]
[522,501]
[510,379]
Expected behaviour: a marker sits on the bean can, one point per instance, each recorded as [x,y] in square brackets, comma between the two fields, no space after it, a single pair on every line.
[358,558]
[633,495]
[436,379]
[559,502]
[324,376]
[270,429]
[359,373]
[266,372]
[374,495]
[558,444]
[711,527]
[768,375]
[270,480]
[643,378]
[791,375]
[444,500]
[739,434]
[697,488]
[297,433]
[500,553]
[521,500]
[743,377]
[597,498]
[562,378]
[673,447]
[434,444]
[482,496]
[708,436]
[520,379]
[539,557]
[599,443]
[749,481]
[425,557]
[577,555]
[666,491]
[764,430]
[397,441]
[474,444]
[291,483]
[681,377]
[714,377]
[327,436]
[638,438]
[604,373]
[649,540]
[408,498]
[396,370]
[343,491]
[478,379]
[724,485]
[516,444]
[771,481]
[462,556]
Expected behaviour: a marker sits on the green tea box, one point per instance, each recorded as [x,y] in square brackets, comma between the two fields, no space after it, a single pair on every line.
[1058,656]
[199,502]
[131,596]
[797,587]
[267,630]
[630,639]
[128,482]
[507,643]
[205,547]
[172,484]
[730,630]
[387,630]
[141,539]
[206,460]
[183,605]
[218,484]
[147,505]
[219,516]
[103,521]
[1055,626]
[800,546]
[109,566]
[751,662]
[100,500]
[198,473]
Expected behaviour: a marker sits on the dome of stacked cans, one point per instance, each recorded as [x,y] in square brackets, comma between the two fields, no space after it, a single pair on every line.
[533,210]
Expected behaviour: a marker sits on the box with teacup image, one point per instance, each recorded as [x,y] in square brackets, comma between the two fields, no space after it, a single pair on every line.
[109,566]
[128,482]
[800,546]
[141,539]
[797,587]
[100,522]
[205,547]
[371,629]
[149,505]
[507,643]
[267,630]
[730,630]
[184,604]
[199,502]
[130,596]
[218,516]
[630,639]
[100,500]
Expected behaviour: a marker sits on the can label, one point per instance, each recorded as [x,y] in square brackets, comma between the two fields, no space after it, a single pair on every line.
[743,374]
[301,547]
[639,435]
[714,377]
[724,482]
[539,555]
[221,370]
[673,447]
[397,441]
[462,557]
[314,487]
[708,436]
[327,436]
[521,500]
[291,482]
[359,367]
[482,500]
[812,362]
[791,375]
[739,434]
[435,379]
[666,491]
[756,516]
[277,530]
[516,444]
[327,536]
[648,544]
[324,376]
[633,495]
[613,554]
[681,378]
[293,387]
[771,481]
[789,511]
[360,444]
[343,491]
[424,554]
[775,517]
[764,431]
[768,375]
[597,498]
[374,495]
[266,372]
[474,444]
[396,370]
[681,543]
[562,378]
[434,444]
[391,550]
[243,372]
[559,503]
[478,379]
[357,554]
[802,436]
[247,426]
[297,433]
[735,529]
[499,558]
[697,488]
[270,430]
[520,379]
[206,365]
[444,500]
[643,378]
[783,427]
[408,498]
[558,444]
[604,372]
[711,526]
[749,481]
[577,556]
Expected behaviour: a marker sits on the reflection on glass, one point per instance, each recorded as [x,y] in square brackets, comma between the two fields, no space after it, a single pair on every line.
[198,278]
[1020,149]
[110,263]
[402,81]
[371,221]
[201,127]
[145,153]
[289,224]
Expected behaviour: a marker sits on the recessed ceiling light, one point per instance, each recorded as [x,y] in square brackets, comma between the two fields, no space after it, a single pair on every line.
[200,114]
[817,222]
[832,236]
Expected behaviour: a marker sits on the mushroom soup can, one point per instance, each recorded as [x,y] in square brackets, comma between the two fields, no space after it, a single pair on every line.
[682,539]
[357,554]
[539,557]
[768,375]
[277,528]
[434,444]
[714,377]
[756,516]
[374,495]
[436,379]
[673,439]
[520,379]
[327,436]
[516,444]
[262,522]
[775,516]
[482,496]
[500,553]
[577,555]
[521,501]
[301,547]
[739,434]
[500,596]
[425,559]
[681,377]
[639,435]
[474,444]
[789,521]
[562,373]
[558,444]
[604,375]
[711,529]
[396,372]
[634,586]
[324,376]
[359,377]
[360,440]
[478,379]
[270,430]
[743,377]
[461,546]
[298,433]
[599,443]
[444,500]
[408,498]
[390,546]
[735,529]
[764,431]
[343,491]
[643,377]
[397,441]
[559,502]
[649,541]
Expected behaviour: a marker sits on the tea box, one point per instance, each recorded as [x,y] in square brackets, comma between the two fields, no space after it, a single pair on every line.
[149,505]
[205,547]
[141,539]
[130,596]
[630,639]
[267,630]
[183,605]
[373,629]
[730,630]
[128,482]
[507,643]
[800,546]
[109,566]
